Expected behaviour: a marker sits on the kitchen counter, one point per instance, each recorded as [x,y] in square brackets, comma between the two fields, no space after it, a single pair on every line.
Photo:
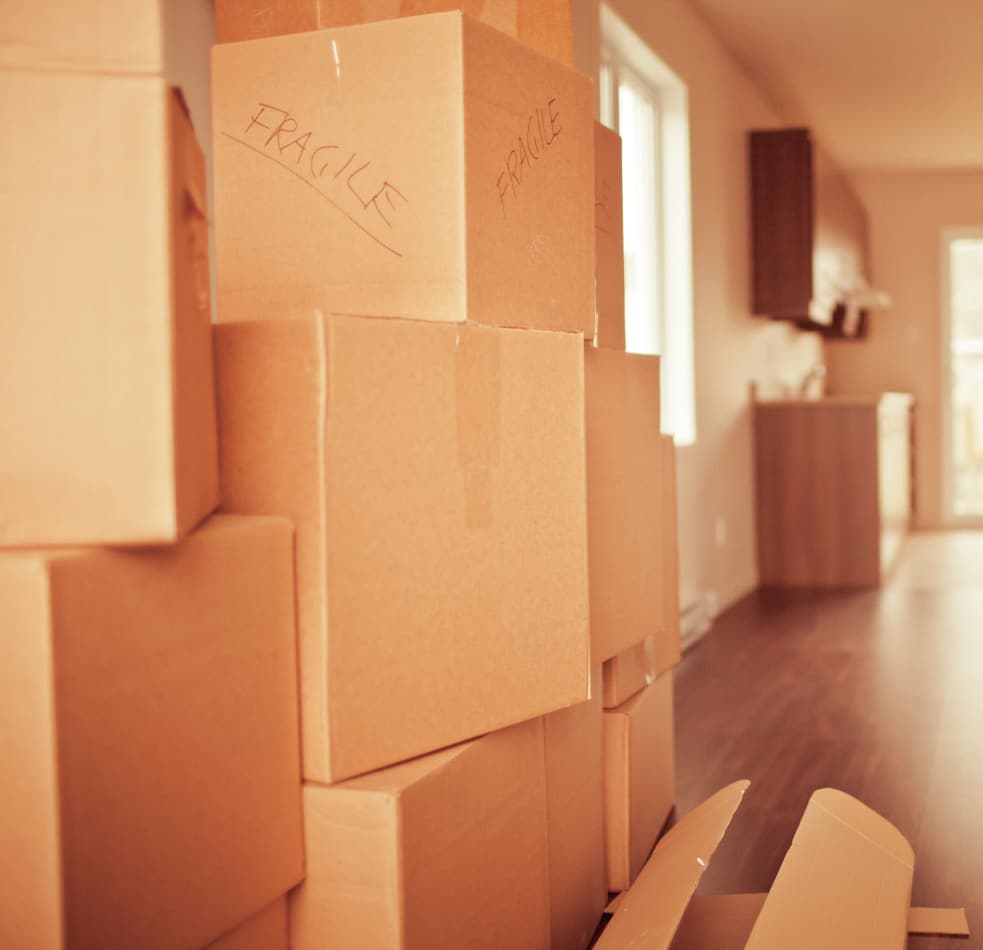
[833,488]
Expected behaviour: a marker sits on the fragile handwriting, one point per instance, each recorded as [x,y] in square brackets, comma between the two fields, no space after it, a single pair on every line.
[344,178]
[543,127]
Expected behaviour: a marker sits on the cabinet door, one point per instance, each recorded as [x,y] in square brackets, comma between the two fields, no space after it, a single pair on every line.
[782,203]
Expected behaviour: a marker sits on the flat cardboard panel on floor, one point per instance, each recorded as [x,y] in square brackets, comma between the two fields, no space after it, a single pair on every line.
[149,744]
[544,25]
[624,499]
[106,386]
[628,672]
[575,800]
[265,930]
[448,850]
[844,883]
[667,646]
[355,175]
[609,239]
[435,476]
[639,778]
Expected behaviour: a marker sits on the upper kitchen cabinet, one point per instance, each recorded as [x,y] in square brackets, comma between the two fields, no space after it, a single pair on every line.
[809,230]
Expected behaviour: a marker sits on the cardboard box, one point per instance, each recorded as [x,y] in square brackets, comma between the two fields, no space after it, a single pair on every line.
[265,930]
[575,805]
[667,646]
[435,476]
[149,739]
[624,499]
[543,25]
[107,407]
[629,672]
[609,239]
[845,883]
[120,36]
[639,778]
[448,850]
[355,175]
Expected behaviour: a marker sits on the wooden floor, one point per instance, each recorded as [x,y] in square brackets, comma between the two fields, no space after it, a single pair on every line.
[877,693]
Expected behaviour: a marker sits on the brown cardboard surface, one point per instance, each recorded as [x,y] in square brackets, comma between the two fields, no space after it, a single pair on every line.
[628,672]
[435,476]
[446,851]
[845,882]
[575,802]
[941,921]
[667,646]
[544,25]
[718,922]
[265,930]
[107,36]
[624,499]
[355,175]
[639,778]
[106,385]
[174,670]
[654,907]
[609,238]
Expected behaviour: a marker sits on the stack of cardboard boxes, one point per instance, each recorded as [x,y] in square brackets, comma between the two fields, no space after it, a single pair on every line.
[442,502]
[406,298]
[148,736]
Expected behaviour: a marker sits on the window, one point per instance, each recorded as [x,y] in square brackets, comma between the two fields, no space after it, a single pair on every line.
[646,103]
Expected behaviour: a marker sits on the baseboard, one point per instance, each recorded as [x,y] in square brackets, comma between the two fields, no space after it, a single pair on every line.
[696,618]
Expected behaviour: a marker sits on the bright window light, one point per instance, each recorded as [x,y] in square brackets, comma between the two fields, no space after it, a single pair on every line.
[647,104]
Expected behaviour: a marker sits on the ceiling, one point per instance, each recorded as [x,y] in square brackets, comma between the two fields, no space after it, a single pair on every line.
[884,83]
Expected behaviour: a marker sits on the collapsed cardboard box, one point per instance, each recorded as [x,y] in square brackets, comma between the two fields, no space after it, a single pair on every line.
[435,476]
[148,747]
[609,239]
[639,778]
[428,167]
[575,806]
[106,388]
[448,850]
[543,25]
[667,646]
[628,672]
[625,486]
[265,930]
[845,883]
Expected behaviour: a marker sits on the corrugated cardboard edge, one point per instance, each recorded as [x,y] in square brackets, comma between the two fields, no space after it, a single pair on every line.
[654,906]
[938,921]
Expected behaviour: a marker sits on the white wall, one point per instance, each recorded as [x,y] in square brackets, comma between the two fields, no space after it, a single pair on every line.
[732,348]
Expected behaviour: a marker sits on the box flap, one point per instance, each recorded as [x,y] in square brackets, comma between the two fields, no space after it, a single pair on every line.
[938,921]
[718,921]
[653,907]
[845,882]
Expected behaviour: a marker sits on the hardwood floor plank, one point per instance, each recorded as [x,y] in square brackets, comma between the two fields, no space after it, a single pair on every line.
[878,693]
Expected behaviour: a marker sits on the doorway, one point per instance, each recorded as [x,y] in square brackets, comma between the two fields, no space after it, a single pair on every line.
[962,309]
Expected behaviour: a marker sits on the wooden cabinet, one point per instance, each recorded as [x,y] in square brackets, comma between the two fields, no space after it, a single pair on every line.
[832,485]
[808,229]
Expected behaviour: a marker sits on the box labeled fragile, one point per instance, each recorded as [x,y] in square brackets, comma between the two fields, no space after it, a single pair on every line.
[544,25]
[428,167]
